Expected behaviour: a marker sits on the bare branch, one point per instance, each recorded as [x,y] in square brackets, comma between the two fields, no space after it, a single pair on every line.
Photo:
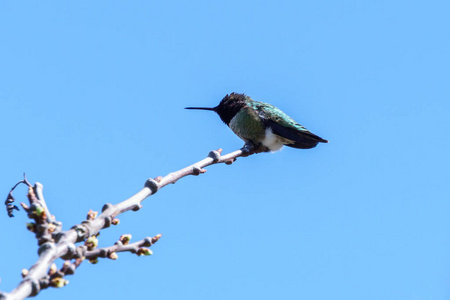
[55,244]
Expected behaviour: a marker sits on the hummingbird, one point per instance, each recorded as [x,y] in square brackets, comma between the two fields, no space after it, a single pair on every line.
[262,126]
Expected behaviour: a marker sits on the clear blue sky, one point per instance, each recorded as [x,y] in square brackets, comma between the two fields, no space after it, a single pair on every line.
[92,96]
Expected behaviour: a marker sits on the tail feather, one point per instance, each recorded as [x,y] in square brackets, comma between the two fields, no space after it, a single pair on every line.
[300,139]
[299,145]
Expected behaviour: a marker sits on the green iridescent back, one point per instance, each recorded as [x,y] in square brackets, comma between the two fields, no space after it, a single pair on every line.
[270,112]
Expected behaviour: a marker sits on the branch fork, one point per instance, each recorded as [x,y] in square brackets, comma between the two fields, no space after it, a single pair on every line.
[55,243]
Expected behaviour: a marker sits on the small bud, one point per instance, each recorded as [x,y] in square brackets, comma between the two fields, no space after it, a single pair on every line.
[115,221]
[39,211]
[113,256]
[68,268]
[92,215]
[136,207]
[58,282]
[156,237]
[91,243]
[229,161]
[158,179]
[93,260]
[52,269]
[32,196]
[78,261]
[24,273]
[31,227]
[24,206]
[51,227]
[30,193]
[125,238]
[197,170]
[144,251]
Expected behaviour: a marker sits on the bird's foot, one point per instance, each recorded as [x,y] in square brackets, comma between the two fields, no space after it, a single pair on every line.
[250,148]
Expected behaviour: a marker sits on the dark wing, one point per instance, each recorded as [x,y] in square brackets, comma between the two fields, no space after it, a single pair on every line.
[302,139]
[286,127]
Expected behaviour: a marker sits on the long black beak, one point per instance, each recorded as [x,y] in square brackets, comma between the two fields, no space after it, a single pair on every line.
[202,108]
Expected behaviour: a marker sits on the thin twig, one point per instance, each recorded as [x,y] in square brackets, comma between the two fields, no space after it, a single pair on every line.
[123,246]
[10,207]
